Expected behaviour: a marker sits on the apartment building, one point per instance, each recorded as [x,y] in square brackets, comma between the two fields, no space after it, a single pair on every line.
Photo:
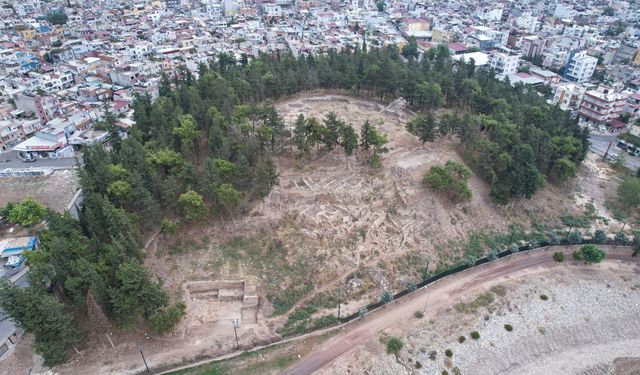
[503,63]
[602,105]
[580,67]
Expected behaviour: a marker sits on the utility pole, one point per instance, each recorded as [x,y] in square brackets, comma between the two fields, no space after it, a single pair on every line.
[339,309]
[236,323]
[567,236]
[145,361]
[607,152]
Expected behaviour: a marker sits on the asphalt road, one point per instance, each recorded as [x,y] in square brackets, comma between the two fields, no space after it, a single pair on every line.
[11,160]
[438,295]
[600,142]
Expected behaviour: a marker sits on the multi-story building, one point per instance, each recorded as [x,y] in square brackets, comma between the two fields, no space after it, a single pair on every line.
[602,105]
[503,63]
[568,95]
[632,107]
[626,53]
[580,67]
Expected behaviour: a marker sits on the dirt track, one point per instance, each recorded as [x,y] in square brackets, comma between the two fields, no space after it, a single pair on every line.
[440,294]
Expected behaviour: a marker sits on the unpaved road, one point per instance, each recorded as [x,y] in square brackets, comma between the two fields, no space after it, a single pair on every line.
[442,293]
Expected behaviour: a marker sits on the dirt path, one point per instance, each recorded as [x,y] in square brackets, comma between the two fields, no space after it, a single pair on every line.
[442,293]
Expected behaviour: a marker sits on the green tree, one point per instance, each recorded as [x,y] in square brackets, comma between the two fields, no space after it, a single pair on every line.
[450,179]
[423,127]
[37,312]
[394,346]
[410,50]
[188,134]
[590,254]
[168,227]
[629,192]
[27,212]
[228,196]
[192,205]
[58,17]
[348,139]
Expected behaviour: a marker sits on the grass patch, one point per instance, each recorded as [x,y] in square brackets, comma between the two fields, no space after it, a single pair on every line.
[418,314]
[301,321]
[480,301]
[499,290]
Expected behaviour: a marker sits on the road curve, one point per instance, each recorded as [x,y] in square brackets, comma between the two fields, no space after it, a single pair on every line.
[441,293]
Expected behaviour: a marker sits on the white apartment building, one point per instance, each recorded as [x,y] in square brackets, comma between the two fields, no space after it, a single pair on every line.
[564,11]
[580,67]
[503,63]
[568,95]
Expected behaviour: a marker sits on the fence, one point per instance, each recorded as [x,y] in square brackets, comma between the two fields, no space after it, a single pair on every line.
[461,267]
[26,172]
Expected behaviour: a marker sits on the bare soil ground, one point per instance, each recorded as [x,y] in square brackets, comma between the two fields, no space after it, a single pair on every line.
[566,319]
[55,190]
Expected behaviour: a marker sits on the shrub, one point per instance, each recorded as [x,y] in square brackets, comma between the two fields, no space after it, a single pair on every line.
[432,355]
[166,318]
[461,339]
[27,212]
[168,227]
[418,314]
[386,297]
[590,254]
[492,254]
[553,238]
[514,248]
[471,260]
[475,335]
[508,327]
[448,353]
[621,239]
[411,287]
[534,244]
[445,372]
[599,237]
[394,346]
[575,237]
[544,297]
[362,312]
[558,256]
[418,364]
[451,179]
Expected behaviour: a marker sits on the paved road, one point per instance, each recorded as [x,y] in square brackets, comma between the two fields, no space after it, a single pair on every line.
[437,295]
[11,160]
[600,142]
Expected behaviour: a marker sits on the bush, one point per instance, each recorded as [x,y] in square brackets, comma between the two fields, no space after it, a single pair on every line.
[451,179]
[168,227]
[475,335]
[534,244]
[514,248]
[418,314]
[418,364]
[362,312]
[508,327]
[621,239]
[461,339]
[448,353]
[590,254]
[544,297]
[386,297]
[26,212]
[471,260]
[166,319]
[599,237]
[575,238]
[553,238]
[394,346]
[558,256]
[411,287]
[492,254]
